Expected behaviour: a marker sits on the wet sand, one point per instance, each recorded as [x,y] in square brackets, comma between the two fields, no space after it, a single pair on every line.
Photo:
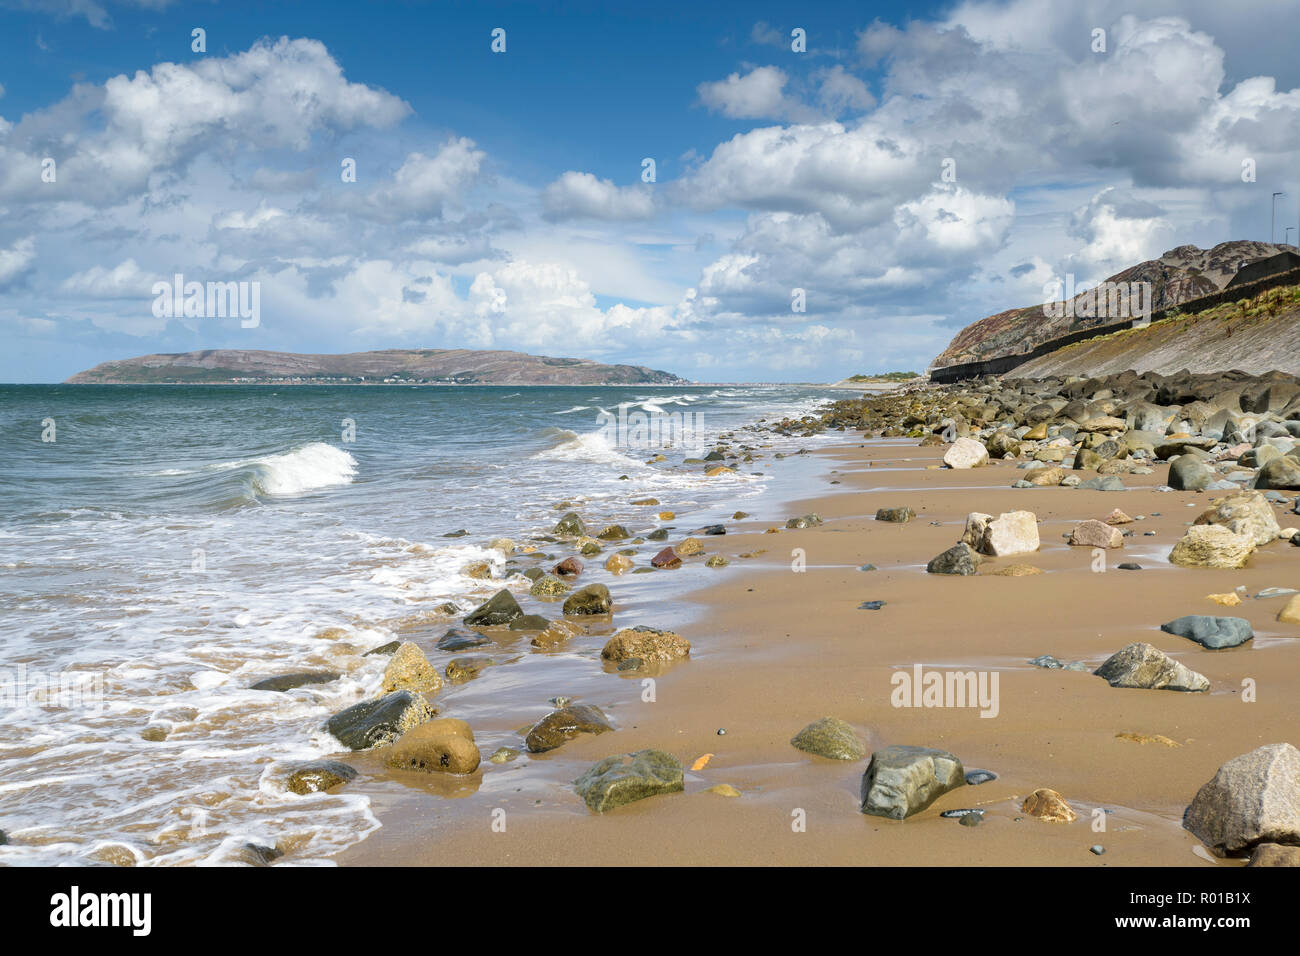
[775,649]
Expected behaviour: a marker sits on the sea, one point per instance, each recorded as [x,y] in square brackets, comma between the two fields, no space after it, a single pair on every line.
[162,548]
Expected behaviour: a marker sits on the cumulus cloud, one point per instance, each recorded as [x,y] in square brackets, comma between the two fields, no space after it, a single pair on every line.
[577,195]
[758,94]
[110,140]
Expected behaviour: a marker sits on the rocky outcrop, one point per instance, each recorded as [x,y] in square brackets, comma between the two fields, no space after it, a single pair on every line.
[1178,276]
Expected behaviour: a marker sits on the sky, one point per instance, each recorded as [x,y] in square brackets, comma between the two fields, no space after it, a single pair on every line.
[728,191]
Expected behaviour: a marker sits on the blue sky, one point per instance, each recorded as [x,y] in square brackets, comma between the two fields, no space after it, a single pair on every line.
[499,201]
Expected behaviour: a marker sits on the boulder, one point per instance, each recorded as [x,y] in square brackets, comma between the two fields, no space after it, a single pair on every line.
[287,682]
[649,644]
[1290,613]
[568,568]
[409,669]
[1245,513]
[501,608]
[1142,665]
[318,775]
[1001,443]
[460,670]
[901,780]
[977,523]
[689,546]
[1211,632]
[618,564]
[666,559]
[1188,473]
[1252,799]
[895,515]
[622,779]
[379,721]
[1096,534]
[1281,472]
[805,521]
[1274,854]
[563,725]
[457,639]
[593,599]
[548,585]
[1050,806]
[1013,532]
[966,453]
[1211,546]
[440,746]
[1045,477]
[959,559]
[570,525]
[831,738]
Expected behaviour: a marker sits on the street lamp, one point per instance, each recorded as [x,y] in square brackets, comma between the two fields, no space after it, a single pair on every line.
[1286,241]
[1272,225]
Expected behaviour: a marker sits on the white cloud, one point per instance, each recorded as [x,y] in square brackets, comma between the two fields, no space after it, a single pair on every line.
[126,280]
[759,94]
[110,140]
[15,260]
[578,195]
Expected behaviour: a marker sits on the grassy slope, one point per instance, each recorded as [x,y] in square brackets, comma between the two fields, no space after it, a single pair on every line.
[1255,335]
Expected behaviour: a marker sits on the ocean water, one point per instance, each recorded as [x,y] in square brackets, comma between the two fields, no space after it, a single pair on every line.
[172,545]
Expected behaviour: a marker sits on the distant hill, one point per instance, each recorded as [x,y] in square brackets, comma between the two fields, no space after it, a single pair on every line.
[413,366]
[1184,273]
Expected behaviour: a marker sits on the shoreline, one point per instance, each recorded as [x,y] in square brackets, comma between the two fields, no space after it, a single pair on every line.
[764,668]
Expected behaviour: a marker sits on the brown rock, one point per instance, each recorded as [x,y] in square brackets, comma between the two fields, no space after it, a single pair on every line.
[1096,534]
[667,558]
[569,567]
[1049,806]
[439,746]
[650,644]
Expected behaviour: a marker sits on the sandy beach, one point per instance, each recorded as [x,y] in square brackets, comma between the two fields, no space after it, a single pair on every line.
[774,649]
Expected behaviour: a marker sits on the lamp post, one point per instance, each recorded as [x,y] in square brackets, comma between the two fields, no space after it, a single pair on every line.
[1272,224]
[1286,235]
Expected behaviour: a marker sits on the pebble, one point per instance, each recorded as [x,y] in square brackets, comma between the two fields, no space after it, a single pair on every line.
[975,777]
[1097,849]
[871,605]
[722,731]
[1129,566]
[867,567]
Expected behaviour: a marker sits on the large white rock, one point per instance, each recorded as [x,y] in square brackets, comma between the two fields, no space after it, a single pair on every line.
[1211,546]
[1013,532]
[977,522]
[1246,513]
[966,453]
